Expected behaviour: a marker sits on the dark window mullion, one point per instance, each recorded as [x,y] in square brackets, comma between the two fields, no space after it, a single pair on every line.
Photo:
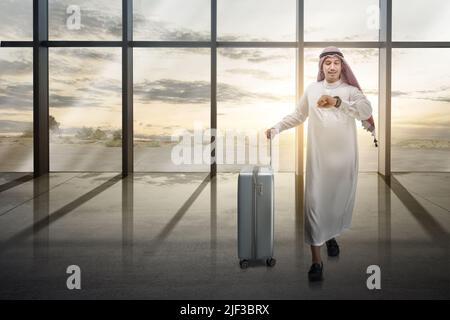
[40,89]
[213,112]
[127,88]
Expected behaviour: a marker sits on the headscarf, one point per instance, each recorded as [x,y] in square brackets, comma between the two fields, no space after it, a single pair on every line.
[348,77]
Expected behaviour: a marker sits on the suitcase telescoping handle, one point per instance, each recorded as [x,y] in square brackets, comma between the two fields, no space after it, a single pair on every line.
[270,150]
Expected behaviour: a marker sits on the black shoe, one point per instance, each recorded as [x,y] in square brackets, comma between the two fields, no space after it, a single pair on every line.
[315,272]
[332,248]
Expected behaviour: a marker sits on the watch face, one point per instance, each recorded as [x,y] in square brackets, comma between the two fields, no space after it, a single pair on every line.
[338,101]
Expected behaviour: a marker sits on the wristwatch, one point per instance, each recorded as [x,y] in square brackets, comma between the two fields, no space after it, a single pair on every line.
[338,102]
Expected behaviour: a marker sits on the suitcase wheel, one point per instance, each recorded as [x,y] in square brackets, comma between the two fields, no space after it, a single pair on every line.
[271,262]
[243,264]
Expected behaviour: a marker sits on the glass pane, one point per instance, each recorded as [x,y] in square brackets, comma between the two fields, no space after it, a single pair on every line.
[16,20]
[252,20]
[172,20]
[85,109]
[364,63]
[171,99]
[420,110]
[85,20]
[16,110]
[255,89]
[419,20]
[341,20]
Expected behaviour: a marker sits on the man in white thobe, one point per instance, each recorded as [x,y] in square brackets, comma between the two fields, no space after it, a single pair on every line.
[332,105]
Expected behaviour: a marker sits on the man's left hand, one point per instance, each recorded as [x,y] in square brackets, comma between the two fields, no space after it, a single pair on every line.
[326,102]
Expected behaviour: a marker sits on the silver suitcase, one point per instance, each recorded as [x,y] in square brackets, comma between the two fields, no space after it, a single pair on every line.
[256,214]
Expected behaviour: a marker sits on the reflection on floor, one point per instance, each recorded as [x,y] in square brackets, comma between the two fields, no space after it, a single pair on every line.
[173,236]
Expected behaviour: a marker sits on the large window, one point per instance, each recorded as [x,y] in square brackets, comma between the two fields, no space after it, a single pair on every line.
[172,20]
[16,110]
[16,20]
[341,20]
[171,109]
[254,69]
[253,20]
[419,20]
[420,110]
[85,109]
[255,89]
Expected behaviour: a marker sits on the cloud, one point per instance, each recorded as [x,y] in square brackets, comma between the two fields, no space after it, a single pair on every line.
[367,36]
[440,89]
[397,93]
[440,99]
[173,91]
[434,120]
[81,64]
[16,67]
[189,92]
[361,55]
[67,101]
[61,70]
[16,95]
[245,38]
[10,126]
[107,85]
[440,94]
[97,54]
[251,55]
[253,72]
[19,96]
[229,37]
[16,20]
[226,92]
[100,21]
[150,29]
[184,35]
[93,86]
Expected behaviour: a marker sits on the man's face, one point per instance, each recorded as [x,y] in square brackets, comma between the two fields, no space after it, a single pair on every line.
[332,69]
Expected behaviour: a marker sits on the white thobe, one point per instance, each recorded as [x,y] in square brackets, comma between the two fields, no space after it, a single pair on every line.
[332,157]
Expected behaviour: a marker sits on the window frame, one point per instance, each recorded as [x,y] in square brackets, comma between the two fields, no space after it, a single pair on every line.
[41,43]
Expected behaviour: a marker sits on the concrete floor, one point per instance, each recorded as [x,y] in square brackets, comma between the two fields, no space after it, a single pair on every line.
[173,236]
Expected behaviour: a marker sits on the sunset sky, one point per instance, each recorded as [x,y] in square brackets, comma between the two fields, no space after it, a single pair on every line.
[256,87]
